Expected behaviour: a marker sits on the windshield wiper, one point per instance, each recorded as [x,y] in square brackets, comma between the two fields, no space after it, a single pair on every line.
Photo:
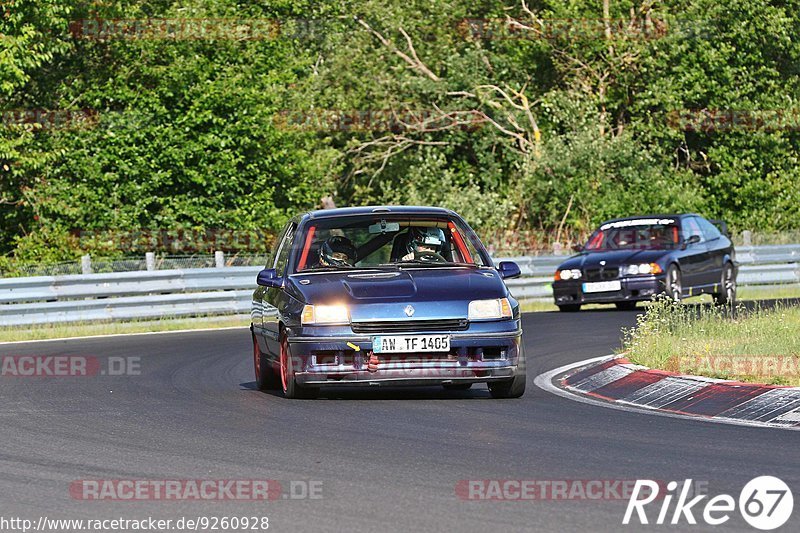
[417,262]
[329,268]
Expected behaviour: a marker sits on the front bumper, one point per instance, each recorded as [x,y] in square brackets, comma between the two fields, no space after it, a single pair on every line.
[634,289]
[480,354]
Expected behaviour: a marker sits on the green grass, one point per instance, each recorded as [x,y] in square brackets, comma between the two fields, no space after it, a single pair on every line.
[757,345]
[768,292]
[57,331]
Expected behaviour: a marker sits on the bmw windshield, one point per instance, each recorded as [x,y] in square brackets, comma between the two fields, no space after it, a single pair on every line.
[638,234]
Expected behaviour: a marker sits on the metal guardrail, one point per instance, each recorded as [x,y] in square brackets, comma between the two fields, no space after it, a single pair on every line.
[228,290]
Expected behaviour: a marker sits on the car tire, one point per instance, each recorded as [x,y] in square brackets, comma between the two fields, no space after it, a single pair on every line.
[291,389]
[569,308]
[625,306]
[514,387]
[727,294]
[266,379]
[674,284]
[457,386]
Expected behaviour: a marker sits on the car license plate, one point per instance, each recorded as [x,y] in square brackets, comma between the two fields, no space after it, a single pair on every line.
[411,343]
[602,286]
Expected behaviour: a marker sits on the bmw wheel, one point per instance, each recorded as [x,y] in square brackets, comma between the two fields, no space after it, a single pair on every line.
[674,287]
[727,294]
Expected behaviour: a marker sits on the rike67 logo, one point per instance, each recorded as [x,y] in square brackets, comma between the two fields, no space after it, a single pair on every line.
[765,503]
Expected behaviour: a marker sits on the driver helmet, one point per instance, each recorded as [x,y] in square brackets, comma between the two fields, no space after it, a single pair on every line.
[337,251]
[425,240]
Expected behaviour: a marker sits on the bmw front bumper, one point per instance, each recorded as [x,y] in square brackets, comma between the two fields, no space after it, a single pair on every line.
[633,289]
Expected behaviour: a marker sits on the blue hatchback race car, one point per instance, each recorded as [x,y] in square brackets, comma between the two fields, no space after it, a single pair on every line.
[377,296]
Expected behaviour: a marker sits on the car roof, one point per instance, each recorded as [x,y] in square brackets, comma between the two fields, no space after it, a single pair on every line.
[657,215]
[379,209]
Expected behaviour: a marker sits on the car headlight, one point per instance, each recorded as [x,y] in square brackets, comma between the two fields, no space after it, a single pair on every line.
[325,314]
[644,268]
[488,309]
[569,273]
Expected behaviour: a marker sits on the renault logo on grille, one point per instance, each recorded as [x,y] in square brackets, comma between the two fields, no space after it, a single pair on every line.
[409,310]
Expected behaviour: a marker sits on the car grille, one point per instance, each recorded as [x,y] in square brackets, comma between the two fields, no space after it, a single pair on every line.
[403,326]
[601,274]
[408,358]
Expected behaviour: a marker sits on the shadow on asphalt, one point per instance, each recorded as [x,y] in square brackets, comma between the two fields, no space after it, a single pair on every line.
[477,392]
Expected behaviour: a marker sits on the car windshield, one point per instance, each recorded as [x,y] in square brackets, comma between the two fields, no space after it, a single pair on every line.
[640,234]
[386,242]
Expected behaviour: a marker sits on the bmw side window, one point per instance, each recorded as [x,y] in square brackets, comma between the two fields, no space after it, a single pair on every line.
[709,230]
[690,228]
[282,257]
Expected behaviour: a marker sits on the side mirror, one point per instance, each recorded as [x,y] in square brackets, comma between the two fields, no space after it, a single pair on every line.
[508,270]
[694,239]
[269,278]
[577,247]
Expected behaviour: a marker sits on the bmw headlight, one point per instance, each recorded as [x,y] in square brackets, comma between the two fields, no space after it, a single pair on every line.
[489,309]
[325,314]
[568,273]
[642,269]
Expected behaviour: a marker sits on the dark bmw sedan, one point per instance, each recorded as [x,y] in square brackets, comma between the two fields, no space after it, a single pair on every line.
[628,260]
[378,296]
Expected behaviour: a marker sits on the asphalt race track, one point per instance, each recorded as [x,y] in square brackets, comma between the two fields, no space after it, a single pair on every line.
[388,459]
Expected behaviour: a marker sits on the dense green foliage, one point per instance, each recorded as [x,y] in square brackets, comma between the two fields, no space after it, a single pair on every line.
[547,133]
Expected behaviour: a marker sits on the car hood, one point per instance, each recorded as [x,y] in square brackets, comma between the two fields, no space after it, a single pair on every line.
[434,291]
[613,258]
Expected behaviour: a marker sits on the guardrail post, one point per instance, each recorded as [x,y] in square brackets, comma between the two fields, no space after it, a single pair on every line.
[86,264]
[747,236]
[150,260]
[219,259]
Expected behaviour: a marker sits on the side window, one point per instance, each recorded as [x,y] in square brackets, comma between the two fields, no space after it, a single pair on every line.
[462,235]
[690,227]
[275,245]
[709,230]
[282,256]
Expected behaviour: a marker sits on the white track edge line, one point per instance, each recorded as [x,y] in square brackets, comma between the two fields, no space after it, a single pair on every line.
[545,382]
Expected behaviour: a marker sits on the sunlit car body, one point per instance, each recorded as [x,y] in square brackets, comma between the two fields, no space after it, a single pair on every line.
[444,318]
[634,259]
